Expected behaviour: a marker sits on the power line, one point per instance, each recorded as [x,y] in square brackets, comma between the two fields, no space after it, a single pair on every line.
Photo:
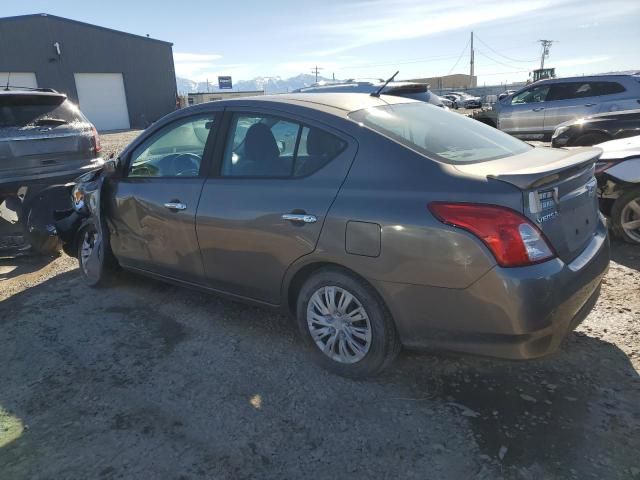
[460,57]
[501,54]
[402,62]
[480,52]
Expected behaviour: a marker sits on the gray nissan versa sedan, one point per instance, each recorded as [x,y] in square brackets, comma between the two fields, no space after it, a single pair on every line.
[378,222]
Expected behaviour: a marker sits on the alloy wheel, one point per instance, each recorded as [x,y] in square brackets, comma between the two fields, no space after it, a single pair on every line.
[89,240]
[630,219]
[339,325]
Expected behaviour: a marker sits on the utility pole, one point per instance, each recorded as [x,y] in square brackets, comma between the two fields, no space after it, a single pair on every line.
[546,45]
[316,70]
[471,63]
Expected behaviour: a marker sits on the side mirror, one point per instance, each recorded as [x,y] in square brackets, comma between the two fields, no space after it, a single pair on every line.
[111,166]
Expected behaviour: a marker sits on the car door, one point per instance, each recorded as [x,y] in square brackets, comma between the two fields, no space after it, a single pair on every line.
[265,203]
[153,205]
[569,101]
[523,114]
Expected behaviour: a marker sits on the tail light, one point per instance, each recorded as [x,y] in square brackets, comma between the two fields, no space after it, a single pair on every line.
[97,148]
[512,239]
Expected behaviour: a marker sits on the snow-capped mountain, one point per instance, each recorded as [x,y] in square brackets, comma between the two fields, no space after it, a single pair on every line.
[268,84]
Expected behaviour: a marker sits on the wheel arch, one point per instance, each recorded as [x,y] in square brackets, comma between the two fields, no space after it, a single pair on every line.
[592,131]
[298,274]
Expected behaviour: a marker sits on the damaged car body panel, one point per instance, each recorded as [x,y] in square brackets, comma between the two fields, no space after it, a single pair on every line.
[45,143]
[72,225]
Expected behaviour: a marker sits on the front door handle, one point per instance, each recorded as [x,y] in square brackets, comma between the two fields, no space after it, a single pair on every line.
[539,109]
[590,105]
[175,206]
[300,217]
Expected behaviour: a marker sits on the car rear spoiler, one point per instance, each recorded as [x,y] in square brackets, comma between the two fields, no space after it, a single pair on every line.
[537,166]
[536,176]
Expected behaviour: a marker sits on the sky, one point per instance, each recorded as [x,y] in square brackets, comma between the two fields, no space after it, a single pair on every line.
[372,38]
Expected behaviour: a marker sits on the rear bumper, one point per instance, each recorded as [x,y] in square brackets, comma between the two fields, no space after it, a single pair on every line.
[10,184]
[514,313]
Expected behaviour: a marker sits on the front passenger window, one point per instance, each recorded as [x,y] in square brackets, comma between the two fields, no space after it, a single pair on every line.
[174,151]
[531,95]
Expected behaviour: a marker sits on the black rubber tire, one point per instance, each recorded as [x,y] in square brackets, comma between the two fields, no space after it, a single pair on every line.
[590,139]
[385,344]
[107,265]
[616,214]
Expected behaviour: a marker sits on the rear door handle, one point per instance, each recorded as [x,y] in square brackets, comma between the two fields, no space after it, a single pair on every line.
[590,105]
[299,217]
[175,206]
[539,109]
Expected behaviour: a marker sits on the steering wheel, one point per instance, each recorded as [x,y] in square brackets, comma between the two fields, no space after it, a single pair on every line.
[184,164]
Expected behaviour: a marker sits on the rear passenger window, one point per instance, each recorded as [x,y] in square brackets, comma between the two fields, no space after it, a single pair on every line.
[316,149]
[569,90]
[265,146]
[608,88]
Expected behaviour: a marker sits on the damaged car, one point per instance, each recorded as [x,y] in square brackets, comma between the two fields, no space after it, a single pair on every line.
[45,141]
[618,174]
[376,222]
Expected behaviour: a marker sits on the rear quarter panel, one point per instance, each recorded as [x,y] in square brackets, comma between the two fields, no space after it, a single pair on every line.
[391,186]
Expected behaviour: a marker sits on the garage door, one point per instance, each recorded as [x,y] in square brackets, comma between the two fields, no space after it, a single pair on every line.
[19,79]
[102,99]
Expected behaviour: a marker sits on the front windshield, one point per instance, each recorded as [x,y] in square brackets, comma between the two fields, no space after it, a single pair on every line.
[438,134]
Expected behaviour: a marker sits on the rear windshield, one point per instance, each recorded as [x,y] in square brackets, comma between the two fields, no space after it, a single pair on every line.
[445,136]
[25,110]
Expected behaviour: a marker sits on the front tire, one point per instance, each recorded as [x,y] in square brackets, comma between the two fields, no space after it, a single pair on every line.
[346,325]
[625,216]
[94,256]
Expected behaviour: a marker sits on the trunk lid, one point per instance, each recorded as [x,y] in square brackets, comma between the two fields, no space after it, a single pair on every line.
[41,132]
[558,192]
[43,149]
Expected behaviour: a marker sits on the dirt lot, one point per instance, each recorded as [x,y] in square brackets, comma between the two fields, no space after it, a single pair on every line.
[147,380]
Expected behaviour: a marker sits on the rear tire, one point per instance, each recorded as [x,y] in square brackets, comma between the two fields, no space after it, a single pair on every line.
[625,214]
[345,324]
[590,139]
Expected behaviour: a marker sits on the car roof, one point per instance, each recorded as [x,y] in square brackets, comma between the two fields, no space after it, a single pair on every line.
[337,103]
[44,92]
[587,78]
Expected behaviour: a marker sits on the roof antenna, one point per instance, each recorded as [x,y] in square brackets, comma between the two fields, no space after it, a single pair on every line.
[377,92]
[6,89]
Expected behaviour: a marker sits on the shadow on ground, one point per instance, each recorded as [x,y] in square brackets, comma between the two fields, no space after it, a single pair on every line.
[148,380]
[626,254]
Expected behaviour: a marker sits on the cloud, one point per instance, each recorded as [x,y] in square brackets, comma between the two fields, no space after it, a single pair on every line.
[202,66]
[412,19]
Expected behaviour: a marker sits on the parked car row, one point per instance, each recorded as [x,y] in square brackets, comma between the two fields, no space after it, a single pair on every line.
[462,100]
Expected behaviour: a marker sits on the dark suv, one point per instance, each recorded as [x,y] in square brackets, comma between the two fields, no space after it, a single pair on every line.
[44,140]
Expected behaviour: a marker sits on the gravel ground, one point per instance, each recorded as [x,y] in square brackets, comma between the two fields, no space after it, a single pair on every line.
[147,380]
